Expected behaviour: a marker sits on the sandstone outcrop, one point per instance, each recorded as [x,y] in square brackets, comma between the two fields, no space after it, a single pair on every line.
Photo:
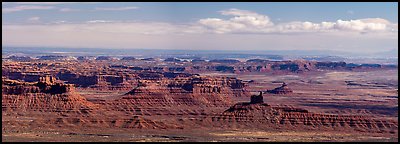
[128,58]
[56,105]
[172,60]
[224,61]
[41,96]
[82,58]
[263,115]
[45,85]
[256,99]
[170,91]
[20,58]
[104,58]
[330,65]
[284,89]
[191,90]
[52,57]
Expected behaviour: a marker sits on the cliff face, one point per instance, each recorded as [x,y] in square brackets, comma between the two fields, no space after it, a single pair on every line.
[90,80]
[193,90]
[284,89]
[45,85]
[180,96]
[265,66]
[105,75]
[45,103]
[259,66]
[43,96]
[183,101]
[54,105]
[191,84]
[263,115]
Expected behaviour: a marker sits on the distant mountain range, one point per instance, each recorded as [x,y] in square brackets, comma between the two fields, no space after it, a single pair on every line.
[391,53]
[214,53]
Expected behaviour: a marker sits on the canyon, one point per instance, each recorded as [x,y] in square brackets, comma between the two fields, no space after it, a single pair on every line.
[51,97]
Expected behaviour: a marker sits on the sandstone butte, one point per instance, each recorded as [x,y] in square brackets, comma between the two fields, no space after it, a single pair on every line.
[188,101]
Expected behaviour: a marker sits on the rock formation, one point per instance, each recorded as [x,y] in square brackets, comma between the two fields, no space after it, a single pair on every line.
[195,89]
[52,57]
[20,58]
[104,58]
[47,85]
[170,91]
[41,96]
[172,60]
[224,61]
[284,89]
[128,58]
[256,99]
[262,115]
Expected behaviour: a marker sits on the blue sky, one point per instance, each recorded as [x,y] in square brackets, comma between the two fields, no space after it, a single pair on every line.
[189,11]
[366,26]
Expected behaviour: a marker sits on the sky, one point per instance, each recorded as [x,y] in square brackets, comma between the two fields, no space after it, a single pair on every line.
[360,27]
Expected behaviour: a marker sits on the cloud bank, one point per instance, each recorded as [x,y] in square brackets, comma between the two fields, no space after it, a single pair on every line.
[241,22]
[251,22]
[241,30]
[26,7]
[115,8]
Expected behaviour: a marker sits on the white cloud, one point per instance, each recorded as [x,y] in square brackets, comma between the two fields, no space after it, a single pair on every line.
[26,7]
[250,22]
[59,22]
[98,21]
[350,12]
[376,20]
[243,21]
[50,3]
[34,19]
[162,35]
[115,8]
[248,17]
[208,33]
[222,27]
[358,25]
[68,10]
[43,3]
[106,27]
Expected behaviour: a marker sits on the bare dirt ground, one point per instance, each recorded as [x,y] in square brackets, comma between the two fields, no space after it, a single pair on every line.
[203,135]
[367,93]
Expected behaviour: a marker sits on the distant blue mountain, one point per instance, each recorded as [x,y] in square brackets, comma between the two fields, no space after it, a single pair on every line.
[171,53]
[390,53]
